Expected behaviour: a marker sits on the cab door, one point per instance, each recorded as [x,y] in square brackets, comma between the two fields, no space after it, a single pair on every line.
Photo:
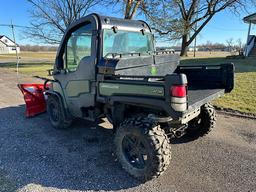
[77,78]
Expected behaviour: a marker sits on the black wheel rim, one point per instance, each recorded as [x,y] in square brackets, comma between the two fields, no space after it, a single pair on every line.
[54,112]
[135,151]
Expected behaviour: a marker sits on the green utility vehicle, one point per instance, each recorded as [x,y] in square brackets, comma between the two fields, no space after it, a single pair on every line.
[108,67]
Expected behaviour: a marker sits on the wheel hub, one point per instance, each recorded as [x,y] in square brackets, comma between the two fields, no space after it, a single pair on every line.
[135,151]
[54,112]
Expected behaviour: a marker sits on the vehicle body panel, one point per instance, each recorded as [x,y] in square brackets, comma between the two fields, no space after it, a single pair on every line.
[111,89]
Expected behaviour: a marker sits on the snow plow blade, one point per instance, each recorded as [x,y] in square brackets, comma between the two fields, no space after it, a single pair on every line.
[34,98]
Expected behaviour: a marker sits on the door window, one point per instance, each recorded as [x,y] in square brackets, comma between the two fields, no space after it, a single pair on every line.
[78,47]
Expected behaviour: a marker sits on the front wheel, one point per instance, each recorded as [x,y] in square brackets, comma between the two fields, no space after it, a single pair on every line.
[143,148]
[56,113]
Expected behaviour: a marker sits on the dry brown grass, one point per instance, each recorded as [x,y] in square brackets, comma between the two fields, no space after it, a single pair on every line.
[29,56]
[208,54]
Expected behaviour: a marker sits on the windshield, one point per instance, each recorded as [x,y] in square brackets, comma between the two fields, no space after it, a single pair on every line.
[126,42]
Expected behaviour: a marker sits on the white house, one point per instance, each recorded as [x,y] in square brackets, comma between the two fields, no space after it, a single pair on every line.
[250,48]
[7,46]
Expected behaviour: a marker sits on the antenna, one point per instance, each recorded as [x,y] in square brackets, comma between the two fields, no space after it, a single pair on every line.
[17,56]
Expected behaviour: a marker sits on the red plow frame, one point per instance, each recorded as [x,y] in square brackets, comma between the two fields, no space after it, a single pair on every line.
[34,98]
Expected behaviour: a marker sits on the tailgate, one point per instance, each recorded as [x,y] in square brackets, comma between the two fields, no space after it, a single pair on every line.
[203,77]
[207,82]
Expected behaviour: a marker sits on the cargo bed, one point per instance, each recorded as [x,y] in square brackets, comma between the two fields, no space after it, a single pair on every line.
[206,82]
[198,97]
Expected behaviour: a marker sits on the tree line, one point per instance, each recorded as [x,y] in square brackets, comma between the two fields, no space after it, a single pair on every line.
[172,20]
[230,45]
[36,48]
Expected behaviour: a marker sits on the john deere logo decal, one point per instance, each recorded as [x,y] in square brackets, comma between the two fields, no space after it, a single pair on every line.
[153,70]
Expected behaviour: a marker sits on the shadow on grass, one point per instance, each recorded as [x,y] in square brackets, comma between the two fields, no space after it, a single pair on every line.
[241,65]
[36,156]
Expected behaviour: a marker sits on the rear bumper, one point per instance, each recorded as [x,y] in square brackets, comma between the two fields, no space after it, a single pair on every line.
[190,115]
[196,99]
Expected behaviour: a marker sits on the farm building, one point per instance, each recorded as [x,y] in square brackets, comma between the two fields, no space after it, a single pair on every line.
[7,46]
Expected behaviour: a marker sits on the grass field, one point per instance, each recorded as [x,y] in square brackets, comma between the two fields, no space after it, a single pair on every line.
[33,69]
[242,98]
[31,63]
[29,55]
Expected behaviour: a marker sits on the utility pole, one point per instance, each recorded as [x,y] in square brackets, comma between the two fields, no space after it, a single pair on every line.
[196,29]
[17,56]
[195,44]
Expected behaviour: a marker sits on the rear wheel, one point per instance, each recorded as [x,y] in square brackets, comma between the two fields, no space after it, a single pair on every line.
[204,123]
[142,148]
[56,113]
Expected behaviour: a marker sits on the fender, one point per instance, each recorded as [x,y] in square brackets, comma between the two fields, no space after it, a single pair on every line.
[146,102]
[50,92]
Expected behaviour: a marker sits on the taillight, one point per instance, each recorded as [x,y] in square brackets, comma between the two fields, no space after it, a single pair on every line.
[178,91]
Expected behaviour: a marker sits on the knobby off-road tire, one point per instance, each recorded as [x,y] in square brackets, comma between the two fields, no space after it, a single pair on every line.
[56,113]
[150,143]
[204,123]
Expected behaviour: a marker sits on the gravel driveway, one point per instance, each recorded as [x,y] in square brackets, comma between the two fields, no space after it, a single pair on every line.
[35,157]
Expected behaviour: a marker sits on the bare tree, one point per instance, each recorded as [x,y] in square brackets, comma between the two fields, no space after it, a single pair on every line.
[129,7]
[185,19]
[239,46]
[209,46]
[50,18]
[230,44]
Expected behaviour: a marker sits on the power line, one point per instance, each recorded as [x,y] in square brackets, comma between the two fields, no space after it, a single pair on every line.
[19,26]
[223,29]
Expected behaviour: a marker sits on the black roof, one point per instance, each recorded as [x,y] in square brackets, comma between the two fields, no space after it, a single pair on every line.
[113,21]
[9,40]
[108,22]
[250,18]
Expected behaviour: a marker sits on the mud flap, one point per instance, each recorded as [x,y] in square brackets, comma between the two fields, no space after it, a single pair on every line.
[34,98]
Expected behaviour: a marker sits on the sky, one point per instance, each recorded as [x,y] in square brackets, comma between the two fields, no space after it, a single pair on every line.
[223,26]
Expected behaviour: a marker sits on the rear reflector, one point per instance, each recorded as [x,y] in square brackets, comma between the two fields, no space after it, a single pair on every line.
[178,91]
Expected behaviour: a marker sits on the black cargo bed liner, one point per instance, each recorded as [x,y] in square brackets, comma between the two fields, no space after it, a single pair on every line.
[198,97]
